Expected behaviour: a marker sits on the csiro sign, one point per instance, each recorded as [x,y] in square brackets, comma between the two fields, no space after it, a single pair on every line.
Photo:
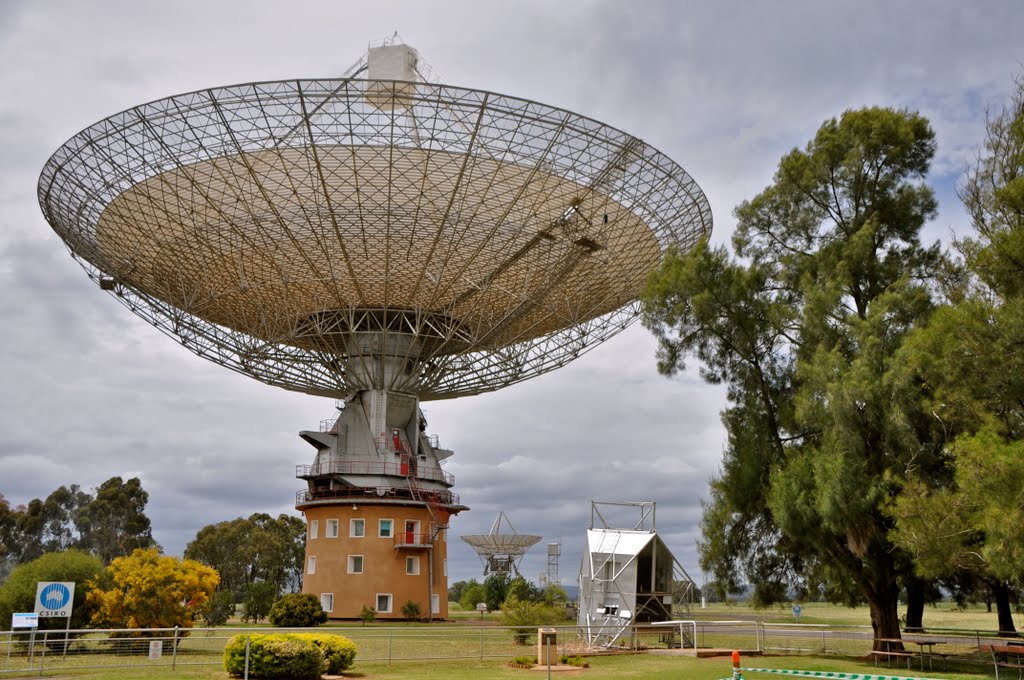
[54,599]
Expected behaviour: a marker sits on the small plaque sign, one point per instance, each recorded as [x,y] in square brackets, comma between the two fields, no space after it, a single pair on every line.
[24,620]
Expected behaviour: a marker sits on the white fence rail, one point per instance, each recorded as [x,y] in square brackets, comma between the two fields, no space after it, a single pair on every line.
[40,653]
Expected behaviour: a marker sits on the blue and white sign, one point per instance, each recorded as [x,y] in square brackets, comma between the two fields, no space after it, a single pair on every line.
[797,610]
[54,599]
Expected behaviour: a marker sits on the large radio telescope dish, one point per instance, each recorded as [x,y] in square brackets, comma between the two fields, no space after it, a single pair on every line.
[501,552]
[333,236]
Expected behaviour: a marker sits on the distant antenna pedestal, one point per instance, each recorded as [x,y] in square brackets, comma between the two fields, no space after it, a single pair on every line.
[501,552]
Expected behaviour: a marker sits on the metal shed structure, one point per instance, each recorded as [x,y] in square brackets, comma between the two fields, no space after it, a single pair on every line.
[627,575]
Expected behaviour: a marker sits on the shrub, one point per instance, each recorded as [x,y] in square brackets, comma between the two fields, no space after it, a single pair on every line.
[259,599]
[471,595]
[297,610]
[274,656]
[339,652]
[218,609]
[573,661]
[367,615]
[149,590]
[18,592]
[526,617]
[411,610]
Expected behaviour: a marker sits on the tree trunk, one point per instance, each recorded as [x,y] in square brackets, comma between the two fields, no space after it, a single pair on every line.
[1001,594]
[878,584]
[915,605]
[885,624]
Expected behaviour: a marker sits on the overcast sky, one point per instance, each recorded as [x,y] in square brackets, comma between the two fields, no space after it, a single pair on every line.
[89,391]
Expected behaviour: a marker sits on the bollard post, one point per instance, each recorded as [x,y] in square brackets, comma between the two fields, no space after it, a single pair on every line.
[481,643]
[549,657]
[248,639]
[736,674]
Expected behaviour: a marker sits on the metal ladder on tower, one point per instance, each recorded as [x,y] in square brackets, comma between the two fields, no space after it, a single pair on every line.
[433,507]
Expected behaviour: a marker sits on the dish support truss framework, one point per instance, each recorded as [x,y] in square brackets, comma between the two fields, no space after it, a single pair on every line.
[289,230]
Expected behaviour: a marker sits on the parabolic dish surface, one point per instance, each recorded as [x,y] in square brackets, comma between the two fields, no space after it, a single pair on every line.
[289,230]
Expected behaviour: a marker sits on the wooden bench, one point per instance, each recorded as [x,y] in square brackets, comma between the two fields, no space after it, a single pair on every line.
[1006,656]
[890,655]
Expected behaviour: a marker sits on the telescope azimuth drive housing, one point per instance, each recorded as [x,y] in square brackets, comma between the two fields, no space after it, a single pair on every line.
[382,240]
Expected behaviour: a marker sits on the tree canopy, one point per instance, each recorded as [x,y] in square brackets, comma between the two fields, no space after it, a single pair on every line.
[18,592]
[150,590]
[970,359]
[246,551]
[803,324]
[110,524]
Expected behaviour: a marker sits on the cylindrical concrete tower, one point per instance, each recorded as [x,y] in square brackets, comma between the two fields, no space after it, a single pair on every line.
[377,509]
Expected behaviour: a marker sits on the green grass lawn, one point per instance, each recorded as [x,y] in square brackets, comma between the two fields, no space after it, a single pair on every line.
[647,667]
[944,615]
[455,646]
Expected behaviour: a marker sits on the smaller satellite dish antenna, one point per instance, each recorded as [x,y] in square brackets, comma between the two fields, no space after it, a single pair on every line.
[501,552]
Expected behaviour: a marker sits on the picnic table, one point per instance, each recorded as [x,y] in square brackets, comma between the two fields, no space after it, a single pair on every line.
[926,650]
[1006,656]
[892,649]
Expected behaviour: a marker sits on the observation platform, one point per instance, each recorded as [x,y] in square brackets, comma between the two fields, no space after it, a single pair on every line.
[380,495]
[399,469]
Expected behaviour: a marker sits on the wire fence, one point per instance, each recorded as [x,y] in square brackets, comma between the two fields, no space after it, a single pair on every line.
[50,652]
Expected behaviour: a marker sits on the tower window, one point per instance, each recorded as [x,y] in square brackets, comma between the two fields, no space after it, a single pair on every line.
[412,566]
[327,601]
[311,564]
[386,528]
[314,527]
[357,528]
[355,564]
[332,528]
[383,603]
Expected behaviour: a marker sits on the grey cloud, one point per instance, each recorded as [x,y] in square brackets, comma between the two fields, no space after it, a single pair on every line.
[723,88]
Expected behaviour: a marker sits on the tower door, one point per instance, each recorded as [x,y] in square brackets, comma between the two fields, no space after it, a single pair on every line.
[412,528]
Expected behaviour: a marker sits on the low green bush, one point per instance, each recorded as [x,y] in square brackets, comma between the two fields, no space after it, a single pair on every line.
[274,656]
[298,610]
[339,652]
[526,617]
[411,610]
[573,661]
[290,655]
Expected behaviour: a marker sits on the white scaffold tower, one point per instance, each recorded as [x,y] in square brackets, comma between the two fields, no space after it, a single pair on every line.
[627,576]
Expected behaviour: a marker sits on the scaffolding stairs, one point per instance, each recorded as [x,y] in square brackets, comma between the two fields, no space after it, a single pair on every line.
[428,498]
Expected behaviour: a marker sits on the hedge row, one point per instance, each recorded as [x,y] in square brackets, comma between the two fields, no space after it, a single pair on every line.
[302,656]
